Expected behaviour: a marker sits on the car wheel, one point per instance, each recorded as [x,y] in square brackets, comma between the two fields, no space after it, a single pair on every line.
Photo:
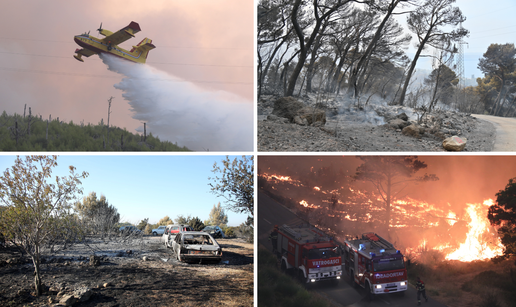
[154,233]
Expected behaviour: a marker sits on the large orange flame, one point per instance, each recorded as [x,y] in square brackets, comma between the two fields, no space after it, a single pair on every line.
[478,246]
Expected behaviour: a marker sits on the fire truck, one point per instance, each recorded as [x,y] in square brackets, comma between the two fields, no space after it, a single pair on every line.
[313,255]
[374,264]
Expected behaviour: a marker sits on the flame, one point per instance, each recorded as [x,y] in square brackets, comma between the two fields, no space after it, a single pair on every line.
[358,206]
[476,247]
[307,205]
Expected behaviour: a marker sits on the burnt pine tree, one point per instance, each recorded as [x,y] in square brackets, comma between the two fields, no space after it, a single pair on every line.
[322,12]
[390,175]
[37,206]
[430,23]
[503,214]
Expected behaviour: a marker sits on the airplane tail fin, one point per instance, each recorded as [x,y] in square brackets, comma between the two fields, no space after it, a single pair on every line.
[144,47]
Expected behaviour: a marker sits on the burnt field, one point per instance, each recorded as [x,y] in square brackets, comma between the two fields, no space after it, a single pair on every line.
[134,272]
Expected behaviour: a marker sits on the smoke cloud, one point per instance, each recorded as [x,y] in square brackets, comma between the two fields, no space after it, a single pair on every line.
[180,111]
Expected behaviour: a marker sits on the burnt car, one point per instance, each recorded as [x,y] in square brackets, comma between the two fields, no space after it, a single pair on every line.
[196,247]
[214,231]
[171,231]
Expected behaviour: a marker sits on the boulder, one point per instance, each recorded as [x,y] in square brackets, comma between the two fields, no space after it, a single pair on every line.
[287,107]
[94,260]
[454,143]
[299,121]
[82,294]
[312,115]
[398,123]
[411,130]
[402,116]
[68,300]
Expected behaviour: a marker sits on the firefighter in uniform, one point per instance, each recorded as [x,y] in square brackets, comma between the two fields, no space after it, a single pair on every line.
[273,237]
[420,286]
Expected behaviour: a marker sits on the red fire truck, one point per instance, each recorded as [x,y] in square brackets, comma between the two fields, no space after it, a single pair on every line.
[313,255]
[373,263]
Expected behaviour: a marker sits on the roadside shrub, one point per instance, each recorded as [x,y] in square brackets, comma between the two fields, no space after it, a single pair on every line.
[148,229]
[246,232]
[229,232]
[278,289]
[490,300]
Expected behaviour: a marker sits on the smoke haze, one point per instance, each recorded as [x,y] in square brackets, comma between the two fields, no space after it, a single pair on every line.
[179,111]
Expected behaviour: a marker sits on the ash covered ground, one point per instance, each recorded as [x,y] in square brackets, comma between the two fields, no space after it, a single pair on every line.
[368,127]
[135,272]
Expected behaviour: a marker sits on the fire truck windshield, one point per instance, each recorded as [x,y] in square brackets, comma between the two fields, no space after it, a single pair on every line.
[388,264]
[322,253]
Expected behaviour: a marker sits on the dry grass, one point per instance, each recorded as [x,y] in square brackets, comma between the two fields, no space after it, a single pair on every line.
[466,284]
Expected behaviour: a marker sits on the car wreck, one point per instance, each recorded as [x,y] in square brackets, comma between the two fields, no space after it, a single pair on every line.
[196,247]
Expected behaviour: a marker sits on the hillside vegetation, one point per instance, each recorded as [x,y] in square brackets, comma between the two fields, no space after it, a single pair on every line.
[25,133]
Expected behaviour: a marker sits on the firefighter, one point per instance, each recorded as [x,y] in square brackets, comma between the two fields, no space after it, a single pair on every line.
[273,237]
[420,286]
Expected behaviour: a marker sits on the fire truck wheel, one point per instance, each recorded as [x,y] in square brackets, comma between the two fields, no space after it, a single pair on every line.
[352,279]
[369,295]
[283,266]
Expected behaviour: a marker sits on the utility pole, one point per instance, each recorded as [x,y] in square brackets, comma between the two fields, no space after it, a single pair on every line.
[108,113]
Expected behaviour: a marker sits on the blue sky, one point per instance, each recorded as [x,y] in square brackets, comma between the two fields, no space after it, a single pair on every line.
[489,22]
[147,186]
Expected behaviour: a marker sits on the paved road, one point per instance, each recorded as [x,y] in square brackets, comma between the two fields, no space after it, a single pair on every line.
[505,131]
[271,213]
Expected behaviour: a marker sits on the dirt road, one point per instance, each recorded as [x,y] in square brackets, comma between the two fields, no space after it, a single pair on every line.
[505,131]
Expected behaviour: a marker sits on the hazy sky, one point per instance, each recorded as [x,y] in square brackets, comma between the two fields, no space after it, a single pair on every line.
[489,22]
[208,42]
[147,186]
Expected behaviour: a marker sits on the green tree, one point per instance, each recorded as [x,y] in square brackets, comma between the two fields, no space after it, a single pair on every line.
[97,214]
[390,175]
[235,185]
[182,220]
[37,207]
[503,214]
[217,216]
[444,80]
[499,62]
[196,224]
[143,223]
[431,23]
[165,221]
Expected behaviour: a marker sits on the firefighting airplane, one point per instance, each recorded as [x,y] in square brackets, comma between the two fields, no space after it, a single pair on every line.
[92,45]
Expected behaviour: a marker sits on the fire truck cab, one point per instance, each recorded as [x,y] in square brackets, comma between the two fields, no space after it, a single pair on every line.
[374,264]
[313,256]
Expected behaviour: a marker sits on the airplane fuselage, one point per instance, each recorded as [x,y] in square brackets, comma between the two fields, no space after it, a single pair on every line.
[98,46]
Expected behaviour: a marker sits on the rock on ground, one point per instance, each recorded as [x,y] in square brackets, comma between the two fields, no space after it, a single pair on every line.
[277,134]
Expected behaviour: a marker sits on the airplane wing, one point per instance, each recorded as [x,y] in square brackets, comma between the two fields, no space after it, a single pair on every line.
[123,34]
[85,52]
[81,52]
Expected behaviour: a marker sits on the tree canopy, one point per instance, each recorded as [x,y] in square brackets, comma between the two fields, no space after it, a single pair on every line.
[217,217]
[97,214]
[234,181]
[503,215]
[37,208]
[390,175]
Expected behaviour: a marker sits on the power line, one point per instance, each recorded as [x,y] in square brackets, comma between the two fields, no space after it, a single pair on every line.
[150,62]
[157,45]
[59,73]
